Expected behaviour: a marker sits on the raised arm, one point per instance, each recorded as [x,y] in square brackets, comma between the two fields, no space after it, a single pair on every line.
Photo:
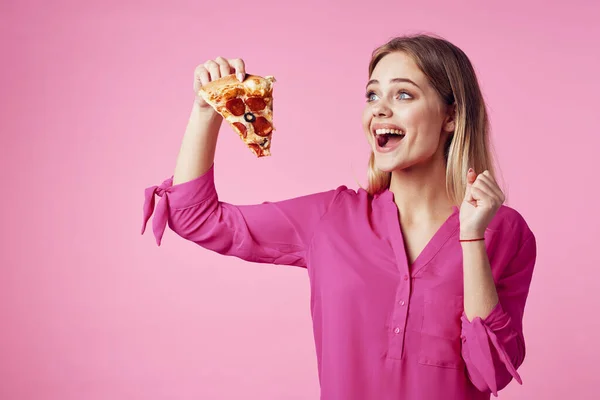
[271,232]
[197,152]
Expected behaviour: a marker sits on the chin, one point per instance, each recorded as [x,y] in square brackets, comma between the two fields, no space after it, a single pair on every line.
[385,163]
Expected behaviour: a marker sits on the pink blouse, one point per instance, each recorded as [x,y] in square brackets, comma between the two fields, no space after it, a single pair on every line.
[383,329]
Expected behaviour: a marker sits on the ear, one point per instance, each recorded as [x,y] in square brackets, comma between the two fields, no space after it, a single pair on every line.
[449,121]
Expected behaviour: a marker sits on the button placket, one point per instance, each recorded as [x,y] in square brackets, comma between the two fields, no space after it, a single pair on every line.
[399,320]
[400,310]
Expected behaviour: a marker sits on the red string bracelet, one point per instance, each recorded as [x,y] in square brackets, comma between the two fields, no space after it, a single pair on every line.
[471,240]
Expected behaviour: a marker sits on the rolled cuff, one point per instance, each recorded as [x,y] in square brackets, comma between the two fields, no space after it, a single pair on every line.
[178,196]
[478,337]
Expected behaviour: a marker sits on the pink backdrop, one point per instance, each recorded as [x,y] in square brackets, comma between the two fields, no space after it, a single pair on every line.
[94,101]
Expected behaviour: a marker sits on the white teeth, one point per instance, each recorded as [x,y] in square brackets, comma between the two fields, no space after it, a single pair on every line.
[389,132]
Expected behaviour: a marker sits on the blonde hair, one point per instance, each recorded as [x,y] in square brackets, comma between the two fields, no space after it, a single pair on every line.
[451,74]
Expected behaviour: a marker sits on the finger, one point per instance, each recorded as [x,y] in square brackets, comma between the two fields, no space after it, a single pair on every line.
[493,185]
[240,68]
[471,176]
[477,194]
[489,175]
[487,192]
[469,197]
[201,77]
[470,180]
[224,67]
[213,69]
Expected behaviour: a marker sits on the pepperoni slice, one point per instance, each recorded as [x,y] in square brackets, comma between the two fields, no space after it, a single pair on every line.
[242,128]
[236,107]
[256,103]
[262,127]
[256,148]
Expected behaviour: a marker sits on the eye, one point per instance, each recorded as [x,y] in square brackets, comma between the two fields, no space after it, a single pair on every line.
[404,95]
[371,97]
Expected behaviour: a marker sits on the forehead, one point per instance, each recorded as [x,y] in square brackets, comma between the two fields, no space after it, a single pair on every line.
[398,65]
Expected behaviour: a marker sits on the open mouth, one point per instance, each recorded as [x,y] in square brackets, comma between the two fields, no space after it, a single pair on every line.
[388,137]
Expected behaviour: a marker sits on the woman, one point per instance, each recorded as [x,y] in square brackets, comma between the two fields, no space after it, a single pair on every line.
[418,284]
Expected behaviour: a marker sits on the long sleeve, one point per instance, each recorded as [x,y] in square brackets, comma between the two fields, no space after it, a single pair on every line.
[271,232]
[494,347]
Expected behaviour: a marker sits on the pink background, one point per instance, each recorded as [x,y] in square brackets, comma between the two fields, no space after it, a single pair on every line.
[94,101]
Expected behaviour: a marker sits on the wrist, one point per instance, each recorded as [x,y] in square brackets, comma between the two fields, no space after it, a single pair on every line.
[469,234]
[476,246]
[472,239]
[204,110]
[205,115]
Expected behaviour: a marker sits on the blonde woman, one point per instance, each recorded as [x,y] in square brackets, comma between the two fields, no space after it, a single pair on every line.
[419,282]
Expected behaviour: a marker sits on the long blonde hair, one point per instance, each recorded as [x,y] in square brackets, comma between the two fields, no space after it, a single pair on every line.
[452,75]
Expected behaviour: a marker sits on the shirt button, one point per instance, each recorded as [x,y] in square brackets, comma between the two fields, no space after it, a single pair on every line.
[397,330]
[401,302]
[405,277]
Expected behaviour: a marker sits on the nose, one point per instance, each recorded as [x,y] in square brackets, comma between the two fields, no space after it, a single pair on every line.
[381,109]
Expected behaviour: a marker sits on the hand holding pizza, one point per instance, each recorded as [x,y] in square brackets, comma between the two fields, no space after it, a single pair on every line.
[245,101]
[212,70]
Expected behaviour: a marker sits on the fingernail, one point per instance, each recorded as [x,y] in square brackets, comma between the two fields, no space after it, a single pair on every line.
[470,169]
[240,76]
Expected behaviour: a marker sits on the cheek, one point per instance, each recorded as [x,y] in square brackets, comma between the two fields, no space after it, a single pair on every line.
[366,120]
[366,116]
[423,121]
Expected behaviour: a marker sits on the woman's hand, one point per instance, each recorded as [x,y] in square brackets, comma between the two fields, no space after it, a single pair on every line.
[215,69]
[482,200]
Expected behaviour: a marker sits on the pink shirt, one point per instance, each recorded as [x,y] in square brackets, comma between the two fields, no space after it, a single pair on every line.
[383,329]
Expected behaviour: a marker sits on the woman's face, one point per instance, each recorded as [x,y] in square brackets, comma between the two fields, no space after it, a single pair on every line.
[405,120]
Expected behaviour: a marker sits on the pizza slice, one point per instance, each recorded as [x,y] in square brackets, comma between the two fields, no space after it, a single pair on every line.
[247,106]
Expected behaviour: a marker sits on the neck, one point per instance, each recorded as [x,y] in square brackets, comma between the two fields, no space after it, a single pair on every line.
[420,193]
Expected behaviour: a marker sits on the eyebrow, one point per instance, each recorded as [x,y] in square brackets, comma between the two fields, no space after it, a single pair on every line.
[395,80]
